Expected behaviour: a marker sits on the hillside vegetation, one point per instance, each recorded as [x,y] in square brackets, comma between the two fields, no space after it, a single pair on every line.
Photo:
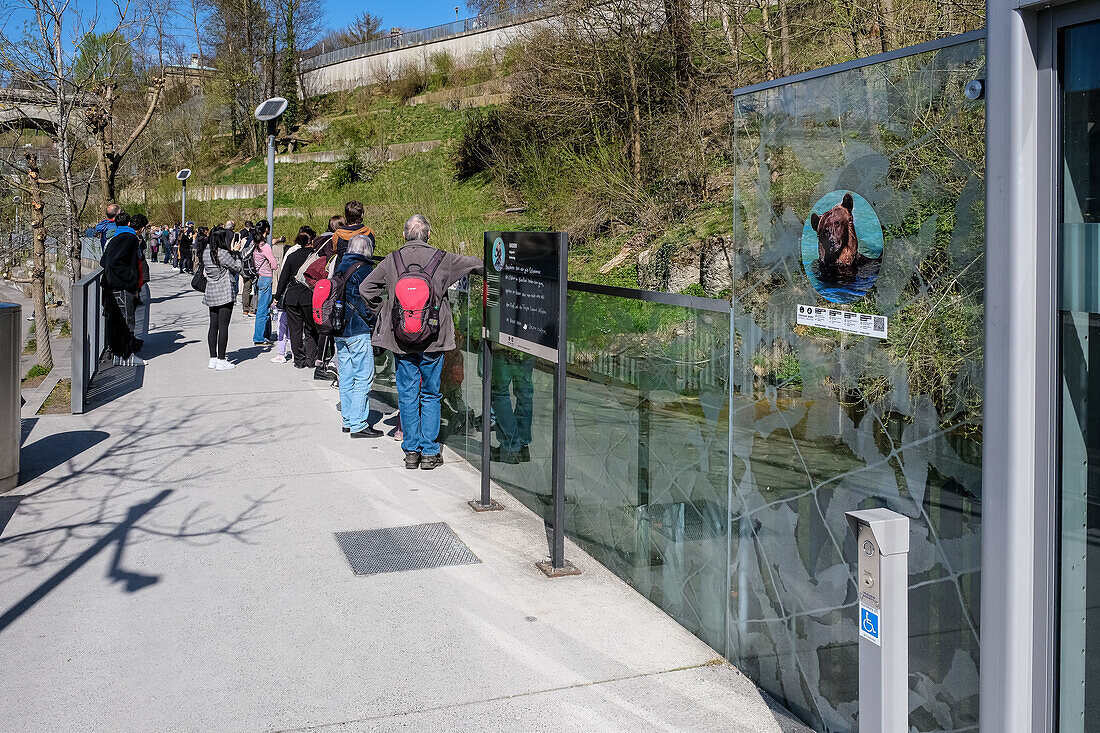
[617,130]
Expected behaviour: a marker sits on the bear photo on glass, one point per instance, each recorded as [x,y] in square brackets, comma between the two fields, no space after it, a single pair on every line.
[842,247]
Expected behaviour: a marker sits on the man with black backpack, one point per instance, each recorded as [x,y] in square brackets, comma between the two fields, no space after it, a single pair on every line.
[122,280]
[408,294]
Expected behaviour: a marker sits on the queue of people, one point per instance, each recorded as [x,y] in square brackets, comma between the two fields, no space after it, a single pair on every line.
[398,304]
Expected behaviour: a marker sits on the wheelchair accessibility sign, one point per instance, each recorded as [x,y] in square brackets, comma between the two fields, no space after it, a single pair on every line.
[869,625]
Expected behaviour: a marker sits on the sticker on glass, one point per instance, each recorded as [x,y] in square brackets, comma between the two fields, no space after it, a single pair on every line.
[842,247]
[861,324]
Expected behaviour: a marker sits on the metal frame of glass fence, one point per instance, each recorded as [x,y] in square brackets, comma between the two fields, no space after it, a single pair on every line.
[898,53]
[715,305]
[89,335]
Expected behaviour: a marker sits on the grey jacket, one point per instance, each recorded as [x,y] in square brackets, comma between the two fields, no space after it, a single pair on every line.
[377,291]
[219,285]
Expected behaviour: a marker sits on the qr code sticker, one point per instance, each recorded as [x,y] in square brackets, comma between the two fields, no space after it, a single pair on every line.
[880,323]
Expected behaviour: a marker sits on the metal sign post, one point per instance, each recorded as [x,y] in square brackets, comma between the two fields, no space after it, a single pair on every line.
[882,582]
[526,283]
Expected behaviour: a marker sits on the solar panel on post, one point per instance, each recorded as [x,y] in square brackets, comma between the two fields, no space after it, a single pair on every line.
[270,109]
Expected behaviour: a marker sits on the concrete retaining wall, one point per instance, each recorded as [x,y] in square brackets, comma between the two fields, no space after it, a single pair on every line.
[386,154]
[230,192]
[386,65]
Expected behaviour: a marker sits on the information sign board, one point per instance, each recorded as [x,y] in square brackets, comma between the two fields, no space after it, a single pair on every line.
[523,288]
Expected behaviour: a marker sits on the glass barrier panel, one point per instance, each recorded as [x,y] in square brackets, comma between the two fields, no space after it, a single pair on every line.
[860,192]
[647,437]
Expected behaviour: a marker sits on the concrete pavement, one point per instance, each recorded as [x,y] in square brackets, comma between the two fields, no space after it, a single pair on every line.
[169,563]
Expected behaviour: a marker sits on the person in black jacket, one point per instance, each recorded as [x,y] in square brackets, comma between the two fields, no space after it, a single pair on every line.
[297,300]
[122,281]
[187,238]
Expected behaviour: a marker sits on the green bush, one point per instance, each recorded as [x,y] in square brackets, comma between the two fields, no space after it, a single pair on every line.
[351,169]
[480,68]
[443,67]
[410,81]
[474,152]
[695,289]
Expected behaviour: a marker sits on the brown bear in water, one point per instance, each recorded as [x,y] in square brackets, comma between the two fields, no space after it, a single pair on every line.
[837,244]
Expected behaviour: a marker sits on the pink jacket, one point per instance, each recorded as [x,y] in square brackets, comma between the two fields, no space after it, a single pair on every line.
[265,260]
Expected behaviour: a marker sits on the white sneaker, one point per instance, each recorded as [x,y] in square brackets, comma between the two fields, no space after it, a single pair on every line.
[135,360]
[213,363]
[224,365]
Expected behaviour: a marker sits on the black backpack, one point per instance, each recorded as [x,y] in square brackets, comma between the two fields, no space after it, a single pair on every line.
[248,261]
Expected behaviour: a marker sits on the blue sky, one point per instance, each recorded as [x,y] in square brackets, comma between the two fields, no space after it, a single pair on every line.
[415,14]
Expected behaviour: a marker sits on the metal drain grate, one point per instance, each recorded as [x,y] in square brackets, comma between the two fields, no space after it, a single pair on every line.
[394,549]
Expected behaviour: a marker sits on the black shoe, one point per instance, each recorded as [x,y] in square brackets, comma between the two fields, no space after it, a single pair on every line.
[429,462]
[367,432]
[412,459]
[497,454]
[346,430]
[525,454]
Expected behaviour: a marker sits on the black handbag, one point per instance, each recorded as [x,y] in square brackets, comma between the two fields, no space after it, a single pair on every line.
[198,280]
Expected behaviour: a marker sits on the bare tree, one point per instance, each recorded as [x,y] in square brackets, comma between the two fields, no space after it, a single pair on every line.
[45,58]
[104,65]
[43,352]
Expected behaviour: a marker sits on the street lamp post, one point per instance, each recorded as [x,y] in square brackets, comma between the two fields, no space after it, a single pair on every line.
[182,177]
[269,111]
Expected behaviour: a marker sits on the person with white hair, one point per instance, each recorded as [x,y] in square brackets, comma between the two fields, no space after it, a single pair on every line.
[408,294]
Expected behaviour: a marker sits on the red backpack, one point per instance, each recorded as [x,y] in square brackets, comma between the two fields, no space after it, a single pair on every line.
[415,303]
[328,302]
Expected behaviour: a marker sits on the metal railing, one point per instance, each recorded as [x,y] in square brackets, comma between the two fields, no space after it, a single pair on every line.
[89,337]
[404,39]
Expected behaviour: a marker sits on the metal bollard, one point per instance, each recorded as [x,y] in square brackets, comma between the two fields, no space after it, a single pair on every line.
[882,539]
[11,341]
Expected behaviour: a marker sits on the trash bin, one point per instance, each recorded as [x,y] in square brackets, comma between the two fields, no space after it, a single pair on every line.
[11,342]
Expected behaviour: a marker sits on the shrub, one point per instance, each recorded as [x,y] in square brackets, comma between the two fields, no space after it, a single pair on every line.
[351,169]
[474,153]
[481,68]
[410,81]
[695,289]
[443,67]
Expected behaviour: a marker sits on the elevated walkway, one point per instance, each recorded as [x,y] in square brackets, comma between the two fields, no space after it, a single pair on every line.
[169,562]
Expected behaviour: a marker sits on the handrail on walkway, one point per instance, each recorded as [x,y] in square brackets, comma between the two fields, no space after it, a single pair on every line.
[89,337]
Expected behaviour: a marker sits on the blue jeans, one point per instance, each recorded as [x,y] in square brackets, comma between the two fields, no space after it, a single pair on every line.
[263,311]
[513,423]
[356,358]
[418,396]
